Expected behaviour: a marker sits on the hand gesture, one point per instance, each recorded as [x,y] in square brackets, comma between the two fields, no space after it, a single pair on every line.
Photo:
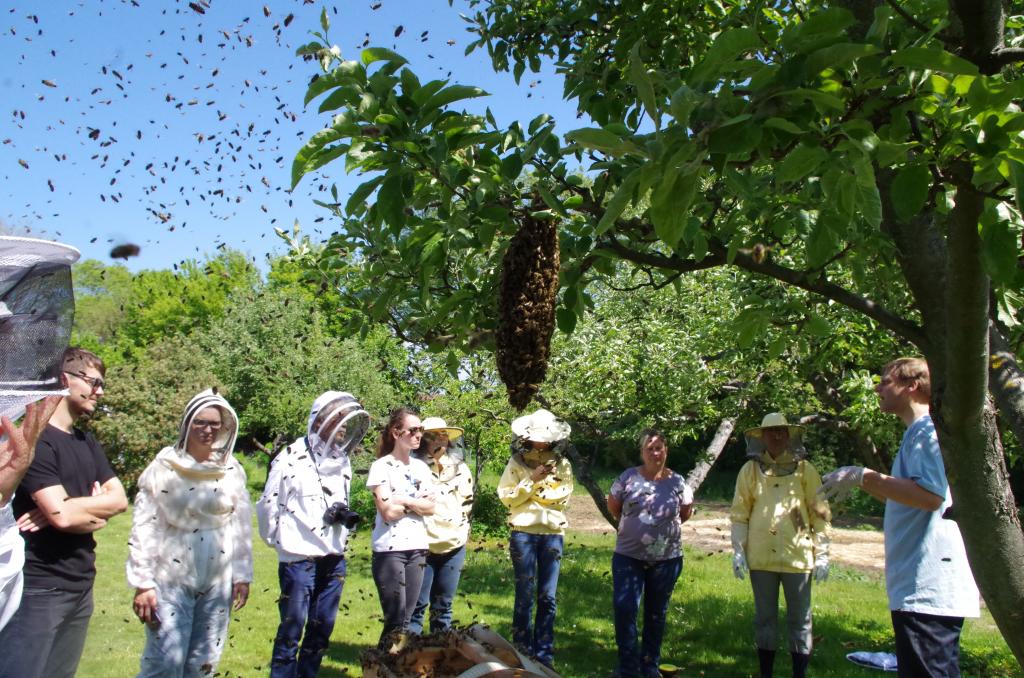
[838,485]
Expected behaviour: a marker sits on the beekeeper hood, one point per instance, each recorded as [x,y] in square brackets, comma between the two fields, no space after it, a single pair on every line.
[37,309]
[337,422]
[224,443]
[177,457]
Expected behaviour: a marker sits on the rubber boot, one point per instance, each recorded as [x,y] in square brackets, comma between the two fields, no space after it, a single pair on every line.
[800,662]
[766,659]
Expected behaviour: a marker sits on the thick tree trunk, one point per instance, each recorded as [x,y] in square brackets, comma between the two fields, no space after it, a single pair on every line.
[984,505]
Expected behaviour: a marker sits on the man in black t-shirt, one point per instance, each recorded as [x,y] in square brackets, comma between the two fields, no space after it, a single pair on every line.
[68,493]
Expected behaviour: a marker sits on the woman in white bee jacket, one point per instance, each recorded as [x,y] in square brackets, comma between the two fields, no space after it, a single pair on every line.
[190,551]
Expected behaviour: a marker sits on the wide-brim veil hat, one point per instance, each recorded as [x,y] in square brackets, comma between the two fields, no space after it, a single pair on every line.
[775,420]
[541,427]
[439,425]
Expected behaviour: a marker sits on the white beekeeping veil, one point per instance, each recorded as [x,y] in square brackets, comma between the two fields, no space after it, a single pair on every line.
[37,308]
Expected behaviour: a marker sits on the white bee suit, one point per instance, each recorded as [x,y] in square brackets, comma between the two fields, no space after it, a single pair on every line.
[191,540]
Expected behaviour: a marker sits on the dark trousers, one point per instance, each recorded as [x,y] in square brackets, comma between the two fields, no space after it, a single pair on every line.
[45,637]
[310,591]
[927,645]
[440,580]
[632,580]
[398,576]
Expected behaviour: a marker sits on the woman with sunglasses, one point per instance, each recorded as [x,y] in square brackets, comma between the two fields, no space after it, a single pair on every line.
[190,550]
[403,492]
[447,528]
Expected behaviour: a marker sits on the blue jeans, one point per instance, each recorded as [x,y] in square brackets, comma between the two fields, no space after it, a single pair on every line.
[440,579]
[310,591]
[46,636]
[190,638]
[927,645]
[631,579]
[536,559]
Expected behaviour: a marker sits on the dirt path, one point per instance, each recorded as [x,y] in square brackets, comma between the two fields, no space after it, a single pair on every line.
[860,549]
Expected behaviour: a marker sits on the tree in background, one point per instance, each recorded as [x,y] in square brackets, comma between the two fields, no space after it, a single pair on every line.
[867,153]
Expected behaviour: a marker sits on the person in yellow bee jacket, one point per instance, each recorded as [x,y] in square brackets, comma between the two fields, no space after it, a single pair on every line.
[780,532]
[536,486]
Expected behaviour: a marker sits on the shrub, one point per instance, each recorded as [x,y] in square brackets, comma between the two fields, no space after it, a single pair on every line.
[490,517]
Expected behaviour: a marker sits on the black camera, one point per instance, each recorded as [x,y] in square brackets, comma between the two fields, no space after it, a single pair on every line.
[339,513]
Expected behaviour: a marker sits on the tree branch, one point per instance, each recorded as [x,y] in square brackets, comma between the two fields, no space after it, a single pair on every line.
[718,256]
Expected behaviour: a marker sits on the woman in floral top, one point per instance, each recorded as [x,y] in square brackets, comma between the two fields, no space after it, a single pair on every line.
[651,502]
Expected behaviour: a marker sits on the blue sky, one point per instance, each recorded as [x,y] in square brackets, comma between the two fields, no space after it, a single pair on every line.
[174,130]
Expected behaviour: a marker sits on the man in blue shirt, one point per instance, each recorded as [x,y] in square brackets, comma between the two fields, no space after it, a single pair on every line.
[927,576]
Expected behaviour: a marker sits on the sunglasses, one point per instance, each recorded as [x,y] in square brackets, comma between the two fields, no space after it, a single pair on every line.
[200,424]
[95,383]
[413,431]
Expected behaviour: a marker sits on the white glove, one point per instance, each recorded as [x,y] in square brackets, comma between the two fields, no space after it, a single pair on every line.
[738,536]
[821,568]
[838,485]
[739,564]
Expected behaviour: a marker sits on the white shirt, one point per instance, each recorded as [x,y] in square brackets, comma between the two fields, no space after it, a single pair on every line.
[413,479]
[12,559]
[291,511]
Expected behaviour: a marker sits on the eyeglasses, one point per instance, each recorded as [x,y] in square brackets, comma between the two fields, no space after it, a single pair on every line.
[413,431]
[200,424]
[95,383]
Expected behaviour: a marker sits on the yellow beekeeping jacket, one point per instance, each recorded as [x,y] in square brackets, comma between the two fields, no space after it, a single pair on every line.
[536,508]
[786,518]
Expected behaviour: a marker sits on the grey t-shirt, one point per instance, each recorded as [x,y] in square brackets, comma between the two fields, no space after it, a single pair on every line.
[650,528]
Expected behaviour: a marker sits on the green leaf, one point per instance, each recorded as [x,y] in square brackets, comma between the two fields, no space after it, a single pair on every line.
[639,78]
[566,320]
[305,159]
[822,243]
[670,206]
[391,202]
[356,203]
[1017,178]
[817,326]
[617,205]
[736,139]
[309,48]
[372,54]
[345,73]
[838,56]
[595,137]
[684,100]
[999,251]
[550,200]
[910,190]
[451,362]
[783,124]
[451,94]
[926,58]
[512,166]
[325,23]
[727,46]
[800,162]
[880,26]
[827,23]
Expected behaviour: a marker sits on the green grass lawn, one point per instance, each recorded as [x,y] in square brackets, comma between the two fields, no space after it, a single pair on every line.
[709,630]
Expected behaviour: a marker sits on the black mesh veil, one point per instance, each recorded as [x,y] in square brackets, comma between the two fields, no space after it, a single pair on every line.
[37,308]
